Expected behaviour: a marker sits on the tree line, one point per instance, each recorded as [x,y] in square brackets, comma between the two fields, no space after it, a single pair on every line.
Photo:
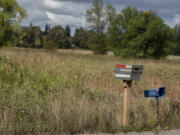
[130,33]
[50,38]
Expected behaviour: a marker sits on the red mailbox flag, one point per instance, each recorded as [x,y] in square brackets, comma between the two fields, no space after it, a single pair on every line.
[121,66]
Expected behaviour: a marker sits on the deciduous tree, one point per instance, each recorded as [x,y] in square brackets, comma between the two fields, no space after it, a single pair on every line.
[59,36]
[81,38]
[140,34]
[100,16]
[177,38]
[97,43]
[11,13]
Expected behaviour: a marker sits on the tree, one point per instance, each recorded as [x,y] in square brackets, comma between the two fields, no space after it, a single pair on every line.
[47,29]
[96,16]
[177,38]
[22,37]
[38,37]
[140,34]
[81,38]
[97,43]
[49,44]
[16,35]
[110,14]
[11,14]
[31,37]
[99,16]
[68,31]
[59,36]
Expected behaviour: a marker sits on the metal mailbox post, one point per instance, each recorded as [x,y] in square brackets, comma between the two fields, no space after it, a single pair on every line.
[127,73]
[156,93]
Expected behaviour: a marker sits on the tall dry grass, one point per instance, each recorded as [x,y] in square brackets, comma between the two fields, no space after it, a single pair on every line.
[51,92]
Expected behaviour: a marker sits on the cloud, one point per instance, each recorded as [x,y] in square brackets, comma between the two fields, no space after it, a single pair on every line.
[55,12]
[66,7]
[53,4]
[173,21]
[62,12]
[66,19]
[176,19]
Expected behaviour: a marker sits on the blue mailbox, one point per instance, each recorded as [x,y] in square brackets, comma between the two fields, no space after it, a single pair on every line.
[157,93]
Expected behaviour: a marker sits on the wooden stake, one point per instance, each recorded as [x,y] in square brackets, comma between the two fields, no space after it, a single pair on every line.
[127,86]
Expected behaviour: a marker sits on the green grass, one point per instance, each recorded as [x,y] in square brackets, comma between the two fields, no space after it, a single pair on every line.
[52,93]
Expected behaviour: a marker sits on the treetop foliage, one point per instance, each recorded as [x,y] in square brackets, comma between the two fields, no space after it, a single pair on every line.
[80,39]
[140,34]
[100,16]
[34,37]
[11,13]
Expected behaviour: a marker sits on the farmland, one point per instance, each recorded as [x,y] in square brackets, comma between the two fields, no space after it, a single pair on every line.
[55,92]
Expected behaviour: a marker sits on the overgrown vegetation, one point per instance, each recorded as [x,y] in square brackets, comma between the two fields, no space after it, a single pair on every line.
[52,93]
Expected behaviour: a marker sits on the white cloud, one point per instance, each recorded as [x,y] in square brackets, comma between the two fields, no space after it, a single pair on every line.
[176,19]
[53,4]
[55,12]
[58,19]
[66,7]
[173,21]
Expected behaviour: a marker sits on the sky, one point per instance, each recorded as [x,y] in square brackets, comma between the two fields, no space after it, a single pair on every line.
[72,12]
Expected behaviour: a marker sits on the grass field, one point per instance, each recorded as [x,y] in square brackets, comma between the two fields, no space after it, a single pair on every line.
[54,92]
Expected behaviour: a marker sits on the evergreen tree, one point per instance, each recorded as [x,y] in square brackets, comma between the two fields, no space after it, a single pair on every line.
[30,35]
[47,29]
[68,31]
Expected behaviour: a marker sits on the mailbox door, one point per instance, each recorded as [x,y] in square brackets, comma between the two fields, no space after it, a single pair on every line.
[137,71]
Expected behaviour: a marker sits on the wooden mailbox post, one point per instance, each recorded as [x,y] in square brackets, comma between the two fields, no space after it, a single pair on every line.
[127,73]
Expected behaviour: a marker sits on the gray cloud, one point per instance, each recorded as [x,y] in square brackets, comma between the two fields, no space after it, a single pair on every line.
[62,12]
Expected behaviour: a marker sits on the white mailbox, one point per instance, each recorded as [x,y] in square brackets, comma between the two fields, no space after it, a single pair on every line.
[129,72]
